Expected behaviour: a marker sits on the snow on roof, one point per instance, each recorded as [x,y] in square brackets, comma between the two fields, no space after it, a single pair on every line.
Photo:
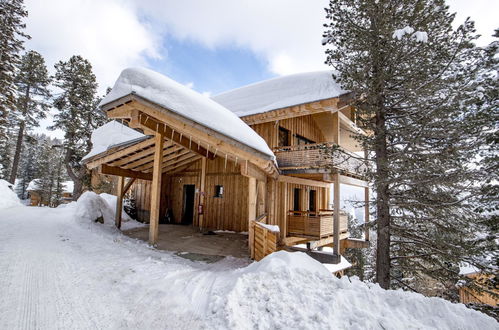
[109,135]
[186,102]
[33,185]
[280,92]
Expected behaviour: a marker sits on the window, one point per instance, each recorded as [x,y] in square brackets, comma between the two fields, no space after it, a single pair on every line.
[219,191]
[283,137]
[300,140]
[312,200]
[296,199]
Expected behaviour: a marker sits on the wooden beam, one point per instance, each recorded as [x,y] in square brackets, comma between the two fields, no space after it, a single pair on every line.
[250,170]
[156,189]
[336,215]
[145,120]
[354,243]
[128,185]
[119,201]
[136,156]
[353,182]
[202,192]
[181,162]
[111,155]
[307,182]
[252,194]
[112,170]
[167,159]
[146,162]
[336,128]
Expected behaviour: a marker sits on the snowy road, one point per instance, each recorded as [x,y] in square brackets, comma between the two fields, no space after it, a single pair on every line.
[60,272]
[57,274]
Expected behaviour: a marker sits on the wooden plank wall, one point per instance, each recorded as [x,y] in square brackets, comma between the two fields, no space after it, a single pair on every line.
[304,126]
[229,212]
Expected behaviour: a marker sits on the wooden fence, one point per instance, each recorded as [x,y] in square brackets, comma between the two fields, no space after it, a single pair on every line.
[263,241]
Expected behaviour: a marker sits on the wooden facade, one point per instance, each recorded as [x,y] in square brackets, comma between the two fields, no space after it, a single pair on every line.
[186,174]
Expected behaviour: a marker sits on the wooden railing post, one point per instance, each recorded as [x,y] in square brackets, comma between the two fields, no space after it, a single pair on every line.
[119,201]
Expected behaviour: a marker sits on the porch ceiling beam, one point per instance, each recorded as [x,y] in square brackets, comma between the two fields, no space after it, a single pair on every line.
[182,163]
[132,157]
[148,159]
[113,170]
[144,120]
[111,156]
[307,182]
[167,159]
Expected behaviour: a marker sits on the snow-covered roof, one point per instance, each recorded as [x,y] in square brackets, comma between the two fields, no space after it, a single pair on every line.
[33,185]
[109,135]
[280,93]
[186,102]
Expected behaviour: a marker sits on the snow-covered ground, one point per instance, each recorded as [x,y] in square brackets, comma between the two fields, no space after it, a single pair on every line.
[58,272]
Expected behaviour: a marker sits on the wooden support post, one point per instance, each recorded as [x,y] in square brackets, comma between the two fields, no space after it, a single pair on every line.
[156,189]
[336,128]
[119,201]
[202,192]
[336,217]
[251,208]
[366,213]
[285,188]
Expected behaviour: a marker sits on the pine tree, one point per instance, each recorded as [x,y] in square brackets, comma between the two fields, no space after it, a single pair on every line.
[28,167]
[408,69]
[12,37]
[78,115]
[32,81]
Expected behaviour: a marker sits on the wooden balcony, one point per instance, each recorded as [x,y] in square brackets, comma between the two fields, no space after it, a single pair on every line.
[322,157]
[314,225]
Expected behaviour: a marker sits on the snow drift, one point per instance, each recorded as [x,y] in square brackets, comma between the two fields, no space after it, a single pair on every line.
[291,290]
[91,207]
[8,198]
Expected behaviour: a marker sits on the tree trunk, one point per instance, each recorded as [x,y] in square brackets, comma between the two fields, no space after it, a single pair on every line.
[77,178]
[382,204]
[17,154]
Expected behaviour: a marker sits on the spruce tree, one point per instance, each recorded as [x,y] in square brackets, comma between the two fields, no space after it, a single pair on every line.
[28,165]
[78,115]
[32,81]
[12,37]
[407,69]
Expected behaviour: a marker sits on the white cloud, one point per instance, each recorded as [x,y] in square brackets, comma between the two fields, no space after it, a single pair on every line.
[287,33]
[107,33]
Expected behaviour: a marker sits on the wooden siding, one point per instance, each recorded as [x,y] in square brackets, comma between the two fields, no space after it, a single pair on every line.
[229,212]
[304,126]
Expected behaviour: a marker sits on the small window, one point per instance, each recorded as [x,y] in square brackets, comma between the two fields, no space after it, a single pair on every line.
[219,191]
[283,137]
[296,199]
[312,200]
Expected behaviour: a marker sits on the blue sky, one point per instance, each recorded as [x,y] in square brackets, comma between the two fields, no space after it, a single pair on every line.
[210,70]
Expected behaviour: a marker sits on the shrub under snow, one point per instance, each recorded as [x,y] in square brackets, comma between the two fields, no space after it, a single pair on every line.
[8,198]
[91,207]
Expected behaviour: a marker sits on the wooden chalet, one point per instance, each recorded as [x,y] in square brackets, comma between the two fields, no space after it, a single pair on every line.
[202,162]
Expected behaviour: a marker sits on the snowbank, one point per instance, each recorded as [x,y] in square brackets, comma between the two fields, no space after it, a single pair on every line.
[111,134]
[186,102]
[90,207]
[291,290]
[8,198]
[111,202]
[280,92]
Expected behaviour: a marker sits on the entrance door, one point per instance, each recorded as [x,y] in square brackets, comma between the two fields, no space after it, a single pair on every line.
[188,205]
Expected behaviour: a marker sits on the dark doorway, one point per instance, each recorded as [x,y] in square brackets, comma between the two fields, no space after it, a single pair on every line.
[283,137]
[188,205]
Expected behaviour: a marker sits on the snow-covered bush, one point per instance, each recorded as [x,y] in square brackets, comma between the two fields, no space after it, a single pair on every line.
[8,198]
[90,207]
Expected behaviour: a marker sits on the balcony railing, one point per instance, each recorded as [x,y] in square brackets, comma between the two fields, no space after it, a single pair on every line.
[314,224]
[320,156]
